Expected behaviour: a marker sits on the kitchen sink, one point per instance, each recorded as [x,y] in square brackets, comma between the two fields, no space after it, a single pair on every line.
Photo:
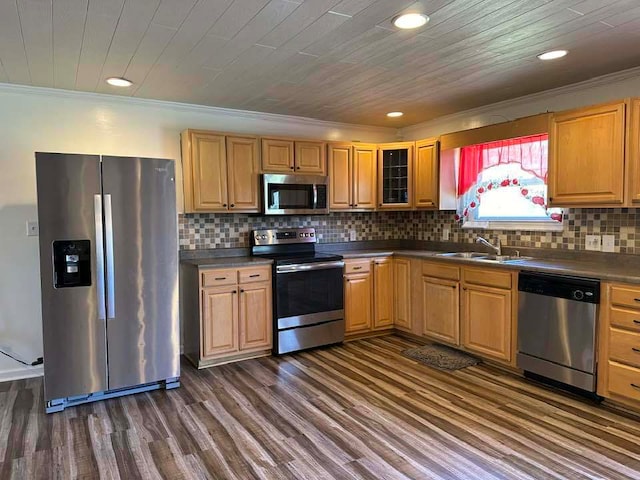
[467,255]
[483,257]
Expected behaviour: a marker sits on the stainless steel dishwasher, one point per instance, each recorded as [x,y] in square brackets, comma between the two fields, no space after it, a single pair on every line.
[557,328]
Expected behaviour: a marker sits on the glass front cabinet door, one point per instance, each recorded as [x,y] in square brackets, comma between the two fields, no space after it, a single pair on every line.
[395,171]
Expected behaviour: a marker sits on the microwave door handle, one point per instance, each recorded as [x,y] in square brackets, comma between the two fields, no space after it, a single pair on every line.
[315,196]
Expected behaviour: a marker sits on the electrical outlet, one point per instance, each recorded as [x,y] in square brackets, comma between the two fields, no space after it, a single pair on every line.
[32,228]
[608,243]
[592,242]
[352,236]
[446,232]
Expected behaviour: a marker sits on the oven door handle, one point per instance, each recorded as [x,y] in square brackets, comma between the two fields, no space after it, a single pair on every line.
[305,267]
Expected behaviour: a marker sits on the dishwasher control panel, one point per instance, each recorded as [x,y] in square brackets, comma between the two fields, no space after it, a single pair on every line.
[561,286]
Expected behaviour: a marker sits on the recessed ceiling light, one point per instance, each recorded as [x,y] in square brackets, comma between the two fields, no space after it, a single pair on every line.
[552,55]
[119,82]
[410,20]
[394,114]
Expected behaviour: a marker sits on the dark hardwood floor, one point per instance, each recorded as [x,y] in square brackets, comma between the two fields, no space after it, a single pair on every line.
[360,410]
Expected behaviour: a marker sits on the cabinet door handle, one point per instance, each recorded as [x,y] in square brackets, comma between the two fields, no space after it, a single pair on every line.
[636,299]
[224,205]
[637,322]
[637,350]
[241,291]
[637,387]
[234,292]
[355,205]
[232,205]
[291,168]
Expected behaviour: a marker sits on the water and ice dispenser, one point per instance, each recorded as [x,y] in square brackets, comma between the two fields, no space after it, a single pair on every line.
[71,263]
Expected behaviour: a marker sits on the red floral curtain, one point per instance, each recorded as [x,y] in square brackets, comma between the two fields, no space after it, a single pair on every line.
[530,152]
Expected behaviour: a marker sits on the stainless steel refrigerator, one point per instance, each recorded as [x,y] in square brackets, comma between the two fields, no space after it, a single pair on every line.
[109,276]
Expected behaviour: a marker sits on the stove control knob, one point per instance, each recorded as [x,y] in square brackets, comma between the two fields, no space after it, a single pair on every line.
[306,234]
[301,235]
[264,237]
[312,234]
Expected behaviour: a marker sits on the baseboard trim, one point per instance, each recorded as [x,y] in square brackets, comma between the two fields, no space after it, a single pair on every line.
[21,373]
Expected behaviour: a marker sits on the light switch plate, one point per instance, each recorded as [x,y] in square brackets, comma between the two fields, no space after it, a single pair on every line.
[32,228]
[446,232]
[608,243]
[352,236]
[592,242]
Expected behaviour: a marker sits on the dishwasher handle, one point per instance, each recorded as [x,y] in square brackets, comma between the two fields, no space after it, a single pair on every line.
[577,289]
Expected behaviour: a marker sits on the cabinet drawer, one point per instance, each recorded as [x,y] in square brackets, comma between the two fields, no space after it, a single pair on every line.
[219,277]
[488,277]
[255,274]
[439,270]
[627,296]
[624,381]
[630,319]
[624,347]
[357,266]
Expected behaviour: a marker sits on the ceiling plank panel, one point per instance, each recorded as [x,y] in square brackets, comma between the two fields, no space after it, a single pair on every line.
[236,17]
[155,40]
[101,22]
[37,32]
[171,13]
[134,23]
[69,18]
[12,53]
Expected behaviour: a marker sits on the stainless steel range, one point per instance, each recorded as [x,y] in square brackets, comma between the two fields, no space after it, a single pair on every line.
[308,297]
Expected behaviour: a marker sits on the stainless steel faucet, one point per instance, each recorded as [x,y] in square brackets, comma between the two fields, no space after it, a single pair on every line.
[498,248]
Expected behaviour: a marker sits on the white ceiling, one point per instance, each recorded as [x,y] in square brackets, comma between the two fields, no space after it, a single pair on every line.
[336,60]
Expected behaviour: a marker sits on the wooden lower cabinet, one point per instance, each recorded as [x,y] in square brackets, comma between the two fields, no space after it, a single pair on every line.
[358,295]
[382,293]
[402,294]
[441,307]
[619,344]
[255,317]
[230,315]
[486,321]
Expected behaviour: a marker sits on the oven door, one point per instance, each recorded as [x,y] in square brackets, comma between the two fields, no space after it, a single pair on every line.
[309,294]
[295,194]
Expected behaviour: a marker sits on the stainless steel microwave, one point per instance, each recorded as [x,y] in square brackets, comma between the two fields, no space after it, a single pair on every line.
[295,194]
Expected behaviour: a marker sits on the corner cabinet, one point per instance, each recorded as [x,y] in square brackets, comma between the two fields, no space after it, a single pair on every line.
[395,176]
[426,180]
[292,156]
[226,313]
[352,177]
[220,172]
[587,156]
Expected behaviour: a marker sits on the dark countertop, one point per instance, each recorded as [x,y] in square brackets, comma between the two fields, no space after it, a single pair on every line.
[227,262]
[611,267]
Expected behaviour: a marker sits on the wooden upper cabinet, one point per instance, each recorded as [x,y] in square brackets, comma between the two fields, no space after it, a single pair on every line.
[277,155]
[441,309]
[633,152]
[242,169]
[587,156]
[382,293]
[364,177]
[204,171]
[311,157]
[340,178]
[486,321]
[426,180]
[395,176]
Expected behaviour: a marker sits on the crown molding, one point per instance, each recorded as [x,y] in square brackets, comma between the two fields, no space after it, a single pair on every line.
[187,107]
[603,80]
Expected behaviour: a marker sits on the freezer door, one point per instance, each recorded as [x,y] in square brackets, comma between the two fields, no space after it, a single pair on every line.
[73,313]
[141,245]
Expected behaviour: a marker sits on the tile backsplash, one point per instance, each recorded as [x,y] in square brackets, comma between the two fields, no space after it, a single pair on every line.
[198,231]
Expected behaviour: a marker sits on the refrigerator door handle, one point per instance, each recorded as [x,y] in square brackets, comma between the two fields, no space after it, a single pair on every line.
[108,227]
[97,208]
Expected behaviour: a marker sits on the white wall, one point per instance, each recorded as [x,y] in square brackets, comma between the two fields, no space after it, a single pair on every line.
[35,119]
[598,90]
